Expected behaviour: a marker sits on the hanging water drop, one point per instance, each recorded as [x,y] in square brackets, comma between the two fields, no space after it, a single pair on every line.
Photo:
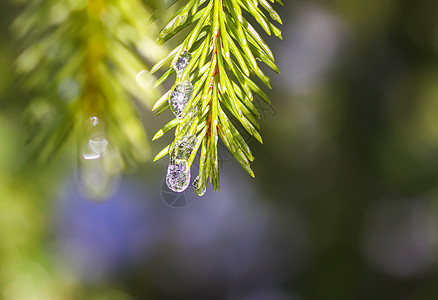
[182,63]
[178,176]
[180,97]
[99,165]
[178,173]
[200,191]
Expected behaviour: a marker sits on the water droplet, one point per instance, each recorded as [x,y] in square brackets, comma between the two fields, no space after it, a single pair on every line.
[178,173]
[180,97]
[182,62]
[144,80]
[100,164]
[200,191]
[178,176]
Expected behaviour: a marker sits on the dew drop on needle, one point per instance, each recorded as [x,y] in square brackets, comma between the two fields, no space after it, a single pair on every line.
[180,97]
[200,191]
[182,63]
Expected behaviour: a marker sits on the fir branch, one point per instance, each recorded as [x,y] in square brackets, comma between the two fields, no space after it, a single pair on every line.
[224,49]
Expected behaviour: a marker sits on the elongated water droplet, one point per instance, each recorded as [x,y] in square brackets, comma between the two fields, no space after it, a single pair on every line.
[180,97]
[178,176]
[100,165]
[178,173]
[200,191]
[182,62]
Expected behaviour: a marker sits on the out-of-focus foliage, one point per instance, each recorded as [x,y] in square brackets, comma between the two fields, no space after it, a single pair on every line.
[84,59]
[23,258]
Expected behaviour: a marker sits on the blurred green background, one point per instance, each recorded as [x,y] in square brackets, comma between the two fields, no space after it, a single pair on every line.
[344,204]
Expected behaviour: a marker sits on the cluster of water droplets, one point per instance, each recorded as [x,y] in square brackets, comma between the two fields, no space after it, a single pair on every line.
[99,165]
[178,172]
[183,91]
